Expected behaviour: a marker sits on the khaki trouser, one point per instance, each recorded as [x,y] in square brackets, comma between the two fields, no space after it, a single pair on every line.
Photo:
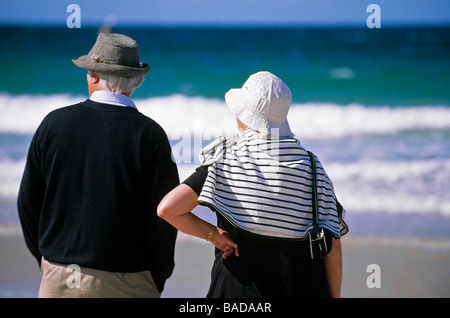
[72,281]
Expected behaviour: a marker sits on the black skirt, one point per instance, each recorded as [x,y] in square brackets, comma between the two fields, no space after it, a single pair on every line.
[267,267]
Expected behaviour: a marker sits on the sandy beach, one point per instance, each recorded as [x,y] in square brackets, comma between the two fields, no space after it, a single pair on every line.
[421,269]
[407,268]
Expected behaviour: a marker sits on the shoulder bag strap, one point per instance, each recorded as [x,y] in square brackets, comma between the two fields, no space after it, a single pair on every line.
[315,201]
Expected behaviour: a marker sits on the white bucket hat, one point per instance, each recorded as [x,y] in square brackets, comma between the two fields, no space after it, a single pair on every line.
[262,103]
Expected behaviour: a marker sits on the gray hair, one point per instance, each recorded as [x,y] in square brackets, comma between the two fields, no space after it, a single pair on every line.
[267,136]
[118,84]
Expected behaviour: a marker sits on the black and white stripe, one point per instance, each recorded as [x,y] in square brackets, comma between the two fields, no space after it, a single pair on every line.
[265,186]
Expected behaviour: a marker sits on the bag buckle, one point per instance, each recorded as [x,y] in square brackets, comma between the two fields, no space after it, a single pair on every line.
[318,244]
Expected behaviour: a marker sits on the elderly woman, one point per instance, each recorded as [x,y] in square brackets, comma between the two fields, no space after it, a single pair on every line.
[260,186]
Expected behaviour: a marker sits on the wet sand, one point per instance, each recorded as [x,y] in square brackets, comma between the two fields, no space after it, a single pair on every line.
[407,268]
[419,268]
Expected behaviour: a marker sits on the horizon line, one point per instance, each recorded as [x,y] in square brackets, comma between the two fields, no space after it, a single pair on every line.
[229,25]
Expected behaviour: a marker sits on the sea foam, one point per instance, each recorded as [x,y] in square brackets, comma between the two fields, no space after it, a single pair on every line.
[377,181]
[22,114]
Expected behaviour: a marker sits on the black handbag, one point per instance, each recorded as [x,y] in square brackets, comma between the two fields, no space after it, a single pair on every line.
[317,236]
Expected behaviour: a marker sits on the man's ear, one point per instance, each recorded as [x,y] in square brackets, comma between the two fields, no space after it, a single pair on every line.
[95,78]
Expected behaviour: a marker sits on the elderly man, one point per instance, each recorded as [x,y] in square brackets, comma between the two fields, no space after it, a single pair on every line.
[94,176]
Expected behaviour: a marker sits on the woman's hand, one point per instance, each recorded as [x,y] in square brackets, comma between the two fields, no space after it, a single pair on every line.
[223,242]
[176,209]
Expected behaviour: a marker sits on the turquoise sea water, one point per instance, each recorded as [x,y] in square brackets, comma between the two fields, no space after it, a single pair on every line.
[373,104]
[376,67]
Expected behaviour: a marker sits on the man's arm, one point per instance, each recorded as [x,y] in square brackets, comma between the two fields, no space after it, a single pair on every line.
[166,178]
[30,200]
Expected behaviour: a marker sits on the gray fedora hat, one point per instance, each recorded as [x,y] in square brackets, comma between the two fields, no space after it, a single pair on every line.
[114,54]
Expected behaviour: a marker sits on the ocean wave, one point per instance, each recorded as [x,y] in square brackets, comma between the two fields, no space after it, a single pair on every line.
[24,113]
[420,186]
[397,173]
[11,174]
[416,186]
[202,116]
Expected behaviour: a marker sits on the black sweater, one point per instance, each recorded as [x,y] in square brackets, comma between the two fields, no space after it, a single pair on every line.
[94,176]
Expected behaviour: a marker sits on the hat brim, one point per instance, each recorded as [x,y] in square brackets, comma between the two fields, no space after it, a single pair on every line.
[87,63]
[237,103]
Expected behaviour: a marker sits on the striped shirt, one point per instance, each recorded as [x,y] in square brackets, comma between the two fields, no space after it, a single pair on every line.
[265,186]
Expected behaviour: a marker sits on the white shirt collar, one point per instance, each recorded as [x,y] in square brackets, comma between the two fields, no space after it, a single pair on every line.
[112,98]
